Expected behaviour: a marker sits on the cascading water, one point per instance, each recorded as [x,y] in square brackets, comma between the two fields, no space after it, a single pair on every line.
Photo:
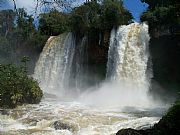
[62,66]
[102,111]
[54,65]
[127,79]
[127,63]
[80,66]
[128,54]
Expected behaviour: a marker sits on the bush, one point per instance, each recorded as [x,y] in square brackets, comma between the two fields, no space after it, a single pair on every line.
[17,88]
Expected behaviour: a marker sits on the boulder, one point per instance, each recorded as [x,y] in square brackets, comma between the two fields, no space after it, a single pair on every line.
[60,126]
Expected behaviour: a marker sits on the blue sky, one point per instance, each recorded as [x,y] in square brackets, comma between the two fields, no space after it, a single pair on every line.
[134,6]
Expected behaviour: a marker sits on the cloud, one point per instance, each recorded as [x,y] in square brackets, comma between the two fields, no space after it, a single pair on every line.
[27,4]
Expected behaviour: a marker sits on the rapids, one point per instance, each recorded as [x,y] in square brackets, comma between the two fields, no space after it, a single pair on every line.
[80,119]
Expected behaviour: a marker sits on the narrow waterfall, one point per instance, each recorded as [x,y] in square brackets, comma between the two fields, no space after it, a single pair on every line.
[54,65]
[79,66]
[128,54]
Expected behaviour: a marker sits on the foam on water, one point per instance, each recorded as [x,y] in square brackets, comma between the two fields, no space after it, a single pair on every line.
[80,118]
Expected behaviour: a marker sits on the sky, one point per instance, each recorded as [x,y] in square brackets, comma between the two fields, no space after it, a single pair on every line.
[134,6]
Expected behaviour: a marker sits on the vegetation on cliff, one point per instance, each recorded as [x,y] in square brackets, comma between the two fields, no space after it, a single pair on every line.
[162,15]
[88,17]
[19,37]
[99,16]
[16,88]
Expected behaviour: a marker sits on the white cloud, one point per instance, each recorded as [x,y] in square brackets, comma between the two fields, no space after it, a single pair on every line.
[27,4]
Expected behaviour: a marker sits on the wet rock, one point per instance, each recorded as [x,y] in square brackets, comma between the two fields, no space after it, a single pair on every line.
[60,126]
[4,112]
[168,125]
[128,131]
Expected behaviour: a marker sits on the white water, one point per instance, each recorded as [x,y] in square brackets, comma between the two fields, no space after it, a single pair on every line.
[121,102]
[81,119]
[128,54]
[127,79]
[60,68]
[53,67]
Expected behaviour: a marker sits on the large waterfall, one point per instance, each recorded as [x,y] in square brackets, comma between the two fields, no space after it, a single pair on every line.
[62,68]
[128,77]
[119,102]
[54,65]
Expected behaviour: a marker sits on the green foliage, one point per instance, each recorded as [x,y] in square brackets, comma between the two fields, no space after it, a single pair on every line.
[99,16]
[17,88]
[162,14]
[114,14]
[4,46]
[24,60]
[18,36]
[85,17]
[160,3]
[36,41]
[6,22]
[169,124]
[25,26]
[172,118]
[53,23]
[5,49]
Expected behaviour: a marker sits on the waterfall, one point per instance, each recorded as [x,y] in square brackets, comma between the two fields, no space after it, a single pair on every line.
[128,54]
[79,66]
[128,76]
[54,65]
[62,68]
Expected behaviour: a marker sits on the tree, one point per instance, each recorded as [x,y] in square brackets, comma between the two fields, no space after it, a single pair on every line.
[24,23]
[99,16]
[114,14]
[160,3]
[53,4]
[6,22]
[162,15]
[53,23]
[85,17]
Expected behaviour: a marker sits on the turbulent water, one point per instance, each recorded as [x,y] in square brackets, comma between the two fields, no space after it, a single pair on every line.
[120,102]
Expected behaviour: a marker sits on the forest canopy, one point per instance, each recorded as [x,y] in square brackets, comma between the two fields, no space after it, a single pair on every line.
[162,15]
